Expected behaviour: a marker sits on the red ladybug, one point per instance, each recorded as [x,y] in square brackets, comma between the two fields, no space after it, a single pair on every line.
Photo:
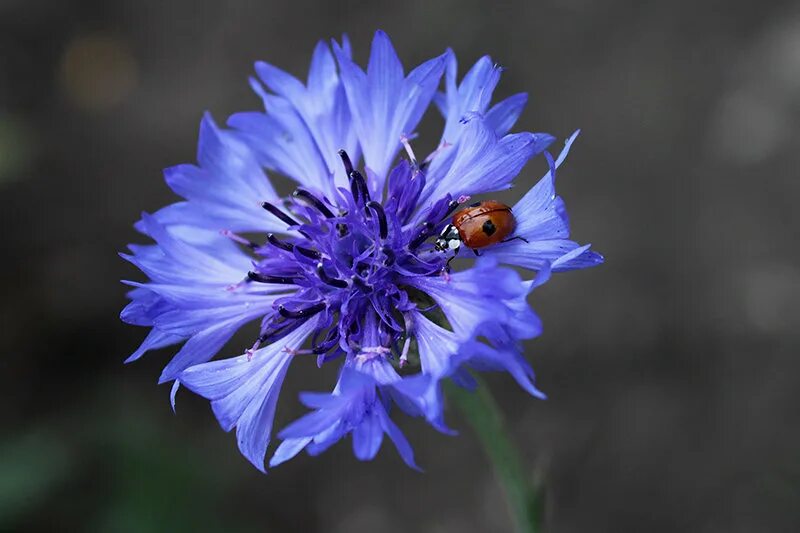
[478,226]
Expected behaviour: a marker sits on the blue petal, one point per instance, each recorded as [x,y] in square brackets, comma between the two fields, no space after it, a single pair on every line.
[471,97]
[542,221]
[368,435]
[173,393]
[536,254]
[186,322]
[321,400]
[399,440]
[470,303]
[201,347]
[283,143]
[311,424]
[384,104]
[502,116]
[287,450]
[482,162]
[421,395]
[379,368]
[154,340]
[483,357]
[145,305]
[227,186]
[280,82]
[384,72]
[579,257]
[522,322]
[244,390]
[255,425]
[323,107]
[326,439]
[323,73]
[181,259]
[354,407]
[436,346]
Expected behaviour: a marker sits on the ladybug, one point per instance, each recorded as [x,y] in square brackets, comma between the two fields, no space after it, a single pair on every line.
[478,226]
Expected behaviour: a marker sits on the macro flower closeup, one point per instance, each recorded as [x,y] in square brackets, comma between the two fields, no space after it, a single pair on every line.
[350,269]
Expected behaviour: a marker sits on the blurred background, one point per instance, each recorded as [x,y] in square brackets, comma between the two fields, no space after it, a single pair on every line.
[672,370]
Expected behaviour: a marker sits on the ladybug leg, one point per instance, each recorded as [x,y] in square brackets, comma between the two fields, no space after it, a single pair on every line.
[515,238]
[446,268]
[476,252]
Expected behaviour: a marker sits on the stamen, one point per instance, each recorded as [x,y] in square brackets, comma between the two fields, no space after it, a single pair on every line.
[407,145]
[279,214]
[237,238]
[348,165]
[383,226]
[274,241]
[295,351]
[252,350]
[262,278]
[390,257]
[313,200]
[368,353]
[235,286]
[423,234]
[302,313]
[333,282]
[308,252]
[375,349]
[404,355]
[358,186]
[326,345]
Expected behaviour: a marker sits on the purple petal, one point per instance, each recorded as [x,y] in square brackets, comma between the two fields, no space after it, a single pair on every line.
[399,440]
[502,116]
[287,450]
[482,162]
[244,390]
[368,435]
[154,340]
[471,97]
[436,346]
[383,104]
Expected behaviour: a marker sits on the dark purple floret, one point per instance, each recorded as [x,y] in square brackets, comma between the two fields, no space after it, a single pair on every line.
[363,266]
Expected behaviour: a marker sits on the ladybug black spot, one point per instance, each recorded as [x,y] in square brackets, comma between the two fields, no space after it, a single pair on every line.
[488,228]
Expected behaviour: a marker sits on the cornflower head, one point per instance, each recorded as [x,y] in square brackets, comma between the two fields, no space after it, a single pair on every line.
[353,269]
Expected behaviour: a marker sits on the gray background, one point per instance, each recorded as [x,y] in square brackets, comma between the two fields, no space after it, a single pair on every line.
[672,369]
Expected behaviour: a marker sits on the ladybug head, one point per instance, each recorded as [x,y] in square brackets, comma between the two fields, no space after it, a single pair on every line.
[448,239]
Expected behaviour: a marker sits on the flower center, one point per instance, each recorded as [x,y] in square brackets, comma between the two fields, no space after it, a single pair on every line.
[345,262]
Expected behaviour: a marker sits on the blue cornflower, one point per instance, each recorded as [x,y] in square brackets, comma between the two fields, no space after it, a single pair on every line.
[345,269]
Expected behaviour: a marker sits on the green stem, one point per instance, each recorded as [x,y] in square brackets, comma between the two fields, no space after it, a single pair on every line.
[483,414]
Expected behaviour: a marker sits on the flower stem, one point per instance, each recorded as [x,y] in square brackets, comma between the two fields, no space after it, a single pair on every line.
[483,414]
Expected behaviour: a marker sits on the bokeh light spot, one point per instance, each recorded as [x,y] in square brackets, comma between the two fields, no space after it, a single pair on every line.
[98,71]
